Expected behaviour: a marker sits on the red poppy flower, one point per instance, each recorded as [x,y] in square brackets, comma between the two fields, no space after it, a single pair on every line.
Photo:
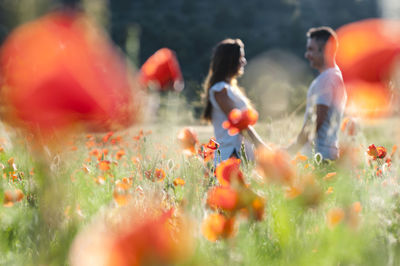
[121,197]
[187,138]
[394,149]
[329,176]
[216,226]
[223,198]
[159,240]
[100,180]
[116,140]
[367,57]
[144,235]
[162,70]
[61,70]
[349,126]
[307,189]
[376,152]
[299,158]
[367,49]
[12,196]
[104,165]
[292,192]
[139,136]
[367,99]
[159,174]
[275,165]
[119,154]
[212,144]
[121,193]
[228,172]
[381,152]
[239,120]
[179,182]
[94,152]
[257,208]
[334,217]
[107,136]
[206,153]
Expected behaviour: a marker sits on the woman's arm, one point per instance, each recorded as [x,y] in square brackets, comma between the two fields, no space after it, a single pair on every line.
[252,134]
[224,102]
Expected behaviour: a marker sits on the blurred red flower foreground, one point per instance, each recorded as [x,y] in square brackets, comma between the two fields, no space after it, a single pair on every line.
[368,58]
[130,237]
[60,70]
[162,71]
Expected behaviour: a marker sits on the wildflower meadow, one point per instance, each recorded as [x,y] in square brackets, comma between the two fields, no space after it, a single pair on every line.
[150,195]
[102,163]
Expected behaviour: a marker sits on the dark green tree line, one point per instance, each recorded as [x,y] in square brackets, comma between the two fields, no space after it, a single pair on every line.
[192,28]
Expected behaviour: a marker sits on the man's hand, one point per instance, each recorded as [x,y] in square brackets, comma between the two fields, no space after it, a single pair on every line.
[292,148]
[303,137]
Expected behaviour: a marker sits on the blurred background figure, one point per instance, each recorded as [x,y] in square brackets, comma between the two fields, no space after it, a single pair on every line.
[326,97]
[222,95]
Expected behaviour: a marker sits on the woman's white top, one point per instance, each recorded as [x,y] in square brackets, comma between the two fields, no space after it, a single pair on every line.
[228,144]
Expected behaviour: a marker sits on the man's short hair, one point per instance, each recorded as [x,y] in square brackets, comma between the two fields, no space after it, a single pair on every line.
[322,35]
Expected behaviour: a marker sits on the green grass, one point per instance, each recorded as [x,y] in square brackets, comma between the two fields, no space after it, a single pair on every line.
[61,199]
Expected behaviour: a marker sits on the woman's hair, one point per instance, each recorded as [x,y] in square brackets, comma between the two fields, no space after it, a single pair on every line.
[224,66]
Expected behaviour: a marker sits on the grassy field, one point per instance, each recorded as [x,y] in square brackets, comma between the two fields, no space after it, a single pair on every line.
[115,199]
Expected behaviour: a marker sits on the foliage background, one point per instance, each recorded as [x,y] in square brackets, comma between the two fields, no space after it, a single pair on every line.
[192,28]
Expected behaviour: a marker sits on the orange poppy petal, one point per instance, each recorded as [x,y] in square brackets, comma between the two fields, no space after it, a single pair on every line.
[235,115]
[223,198]
[226,124]
[334,217]
[233,131]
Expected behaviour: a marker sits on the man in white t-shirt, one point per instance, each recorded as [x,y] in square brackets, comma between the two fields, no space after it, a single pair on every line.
[326,97]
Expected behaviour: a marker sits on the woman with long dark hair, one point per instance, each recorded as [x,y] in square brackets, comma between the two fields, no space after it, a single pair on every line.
[222,95]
